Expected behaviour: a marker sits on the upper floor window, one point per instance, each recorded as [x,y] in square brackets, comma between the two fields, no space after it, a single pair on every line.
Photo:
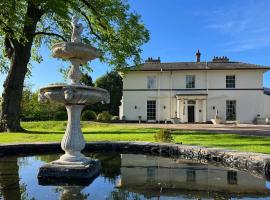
[230,81]
[151,82]
[190,81]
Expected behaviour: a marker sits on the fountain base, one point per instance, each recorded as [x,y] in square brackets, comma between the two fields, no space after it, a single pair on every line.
[55,172]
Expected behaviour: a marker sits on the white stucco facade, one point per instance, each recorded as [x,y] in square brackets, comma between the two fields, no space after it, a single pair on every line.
[208,98]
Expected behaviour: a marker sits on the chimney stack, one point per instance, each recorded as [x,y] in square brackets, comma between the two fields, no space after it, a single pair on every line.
[198,56]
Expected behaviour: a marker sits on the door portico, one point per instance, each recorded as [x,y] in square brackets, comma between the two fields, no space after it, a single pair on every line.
[191,108]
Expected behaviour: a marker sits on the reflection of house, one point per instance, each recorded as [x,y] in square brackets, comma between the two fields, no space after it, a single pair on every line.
[147,175]
[195,91]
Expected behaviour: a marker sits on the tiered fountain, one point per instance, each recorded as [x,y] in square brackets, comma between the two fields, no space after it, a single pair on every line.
[73,164]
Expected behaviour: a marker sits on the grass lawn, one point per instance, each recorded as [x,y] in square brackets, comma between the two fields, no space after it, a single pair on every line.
[52,131]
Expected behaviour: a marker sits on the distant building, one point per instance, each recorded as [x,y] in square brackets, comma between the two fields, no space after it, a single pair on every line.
[195,91]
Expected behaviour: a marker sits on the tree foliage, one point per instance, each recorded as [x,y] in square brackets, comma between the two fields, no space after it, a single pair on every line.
[111,27]
[112,82]
[87,80]
[27,24]
[32,110]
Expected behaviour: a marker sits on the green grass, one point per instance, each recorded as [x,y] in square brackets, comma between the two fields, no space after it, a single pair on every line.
[52,131]
[228,141]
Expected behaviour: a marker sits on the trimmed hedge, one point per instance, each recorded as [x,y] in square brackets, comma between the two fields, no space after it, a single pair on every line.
[105,116]
[89,115]
[60,115]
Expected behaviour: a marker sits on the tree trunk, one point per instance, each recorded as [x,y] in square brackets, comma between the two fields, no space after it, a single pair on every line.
[13,85]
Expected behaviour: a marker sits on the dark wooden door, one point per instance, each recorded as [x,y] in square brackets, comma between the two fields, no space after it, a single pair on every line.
[191,116]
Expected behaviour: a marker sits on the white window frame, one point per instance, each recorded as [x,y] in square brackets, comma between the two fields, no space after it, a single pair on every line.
[230,82]
[151,110]
[190,81]
[151,82]
[231,105]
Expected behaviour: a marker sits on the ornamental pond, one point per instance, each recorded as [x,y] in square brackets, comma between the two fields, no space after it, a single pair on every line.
[132,176]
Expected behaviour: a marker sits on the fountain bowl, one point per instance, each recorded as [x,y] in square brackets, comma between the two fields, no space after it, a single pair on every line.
[74,94]
[71,50]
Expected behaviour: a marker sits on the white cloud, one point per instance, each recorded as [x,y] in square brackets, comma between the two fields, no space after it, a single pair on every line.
[247,44]
[243,26]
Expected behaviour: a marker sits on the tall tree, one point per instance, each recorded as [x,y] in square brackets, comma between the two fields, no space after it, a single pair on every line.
[27,24]
[87,80]
[112,82]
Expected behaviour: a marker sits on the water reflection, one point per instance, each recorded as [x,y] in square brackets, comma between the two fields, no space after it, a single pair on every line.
[232,177]
[131,176]
[110,164]
[9,179]
[73,193]
[148,175]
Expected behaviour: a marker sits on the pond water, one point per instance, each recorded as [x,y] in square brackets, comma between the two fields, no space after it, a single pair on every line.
[132,176]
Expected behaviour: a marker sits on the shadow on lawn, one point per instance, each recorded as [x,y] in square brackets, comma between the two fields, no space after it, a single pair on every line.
[220,135]
[193,133]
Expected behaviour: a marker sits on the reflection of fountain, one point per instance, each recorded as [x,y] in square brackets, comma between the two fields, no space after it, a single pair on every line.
[73,164]
[72,193]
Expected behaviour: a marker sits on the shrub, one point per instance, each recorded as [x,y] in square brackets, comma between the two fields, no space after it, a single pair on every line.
[60,115]
[88,115]
[163,135]
[105,116]
[115,118]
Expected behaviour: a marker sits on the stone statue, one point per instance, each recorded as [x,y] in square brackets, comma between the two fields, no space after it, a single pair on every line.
[77,30]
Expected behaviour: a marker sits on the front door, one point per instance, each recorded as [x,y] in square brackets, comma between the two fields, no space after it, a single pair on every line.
[191,116]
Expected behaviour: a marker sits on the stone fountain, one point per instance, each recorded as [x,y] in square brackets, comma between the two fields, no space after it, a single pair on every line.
[73,164]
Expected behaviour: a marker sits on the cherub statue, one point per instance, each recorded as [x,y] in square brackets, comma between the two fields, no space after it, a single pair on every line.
[77,29]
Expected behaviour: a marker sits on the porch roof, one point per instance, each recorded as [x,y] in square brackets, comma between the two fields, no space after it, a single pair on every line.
[192,93]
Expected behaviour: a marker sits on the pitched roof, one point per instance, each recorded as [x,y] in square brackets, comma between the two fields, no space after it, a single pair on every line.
[175,66]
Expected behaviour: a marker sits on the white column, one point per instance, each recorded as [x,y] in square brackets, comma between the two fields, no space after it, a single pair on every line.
[204,110]
[181,107]
[186,111]
[197,111]
[178,108]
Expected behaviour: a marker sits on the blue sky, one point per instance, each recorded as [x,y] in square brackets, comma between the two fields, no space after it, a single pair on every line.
[239,29]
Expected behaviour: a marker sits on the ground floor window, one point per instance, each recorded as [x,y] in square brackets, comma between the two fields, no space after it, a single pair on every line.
[230,110]
[151,110]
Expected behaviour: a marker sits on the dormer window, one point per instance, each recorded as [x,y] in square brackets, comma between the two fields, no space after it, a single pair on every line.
[230,81]
[190,81]
[151,82]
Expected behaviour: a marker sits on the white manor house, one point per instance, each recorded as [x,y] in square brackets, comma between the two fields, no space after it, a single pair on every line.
[195,92]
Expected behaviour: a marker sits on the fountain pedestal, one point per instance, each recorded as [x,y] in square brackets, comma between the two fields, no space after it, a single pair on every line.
[73,165]
[73,141]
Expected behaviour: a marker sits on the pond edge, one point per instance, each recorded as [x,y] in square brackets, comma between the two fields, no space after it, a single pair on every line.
[257,164]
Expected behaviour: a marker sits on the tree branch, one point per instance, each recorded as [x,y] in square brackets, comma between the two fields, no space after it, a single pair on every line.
[51,34]
[90,25]
[95,12]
